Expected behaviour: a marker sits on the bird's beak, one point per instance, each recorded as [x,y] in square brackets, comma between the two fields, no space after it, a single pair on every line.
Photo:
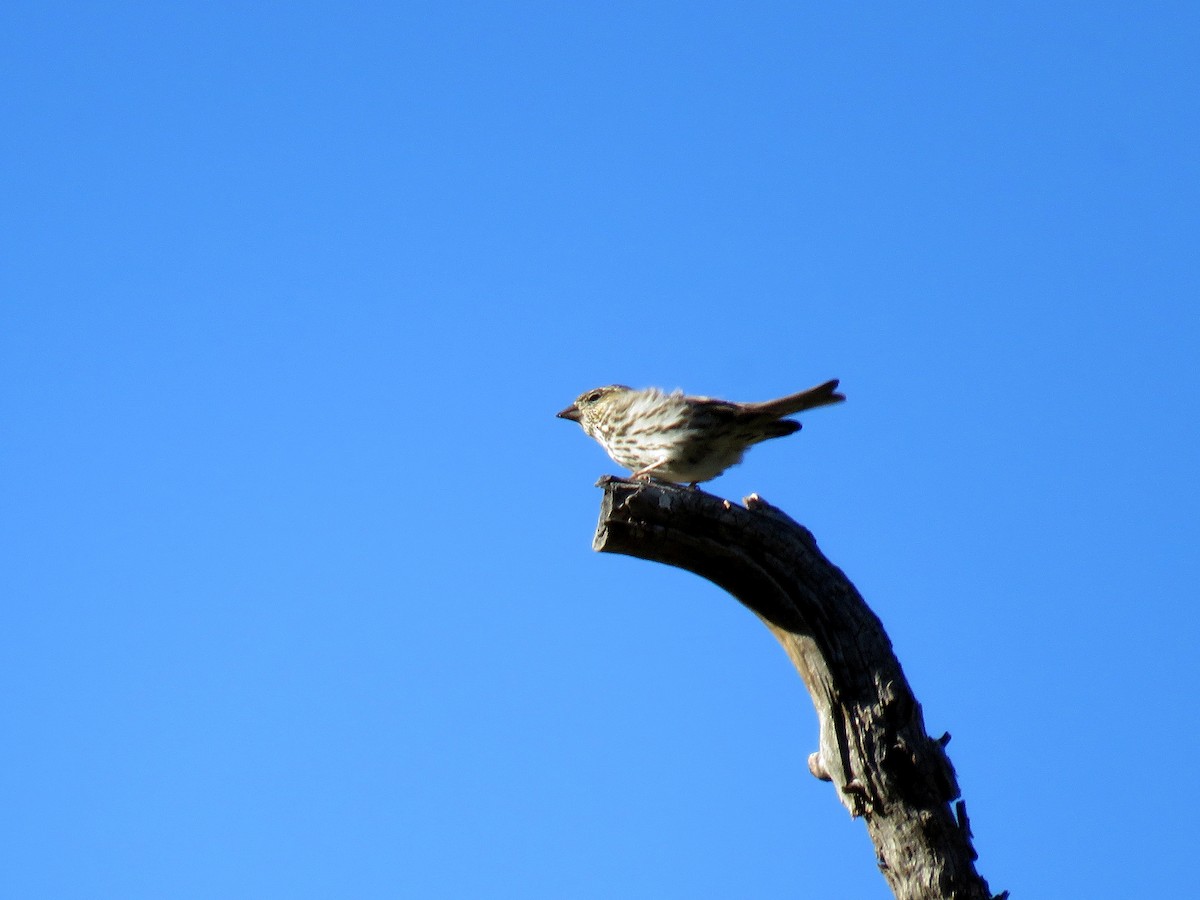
[569,413]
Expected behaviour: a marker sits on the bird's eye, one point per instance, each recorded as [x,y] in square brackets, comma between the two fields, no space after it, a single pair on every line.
[592,397]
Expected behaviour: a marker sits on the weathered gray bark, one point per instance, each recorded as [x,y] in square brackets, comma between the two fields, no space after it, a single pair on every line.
[872,746]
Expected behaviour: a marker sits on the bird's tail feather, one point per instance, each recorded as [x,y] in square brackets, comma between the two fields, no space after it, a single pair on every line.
[822,395]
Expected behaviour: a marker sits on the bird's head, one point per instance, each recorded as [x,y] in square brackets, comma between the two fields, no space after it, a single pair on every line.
[591,407]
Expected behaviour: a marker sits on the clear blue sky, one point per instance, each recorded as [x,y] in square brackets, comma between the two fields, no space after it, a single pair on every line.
[298,594]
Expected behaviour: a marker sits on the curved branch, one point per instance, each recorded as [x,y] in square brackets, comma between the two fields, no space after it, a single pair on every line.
[872,741]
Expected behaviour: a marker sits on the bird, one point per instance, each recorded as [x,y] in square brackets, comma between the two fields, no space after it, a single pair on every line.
[682,439]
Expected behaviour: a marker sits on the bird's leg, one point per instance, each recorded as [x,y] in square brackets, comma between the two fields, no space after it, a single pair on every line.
[644,472]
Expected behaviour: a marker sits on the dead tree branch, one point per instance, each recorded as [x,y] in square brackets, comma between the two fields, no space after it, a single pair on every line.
[872,745]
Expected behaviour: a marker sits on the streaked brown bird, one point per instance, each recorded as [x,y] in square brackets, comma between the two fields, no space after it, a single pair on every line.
[685,439]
